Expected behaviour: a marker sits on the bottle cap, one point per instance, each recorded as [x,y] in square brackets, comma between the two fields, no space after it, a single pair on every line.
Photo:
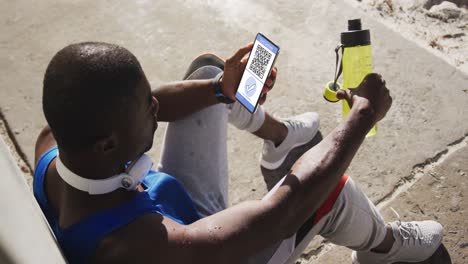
[354,24]
[330,92]
[355,36]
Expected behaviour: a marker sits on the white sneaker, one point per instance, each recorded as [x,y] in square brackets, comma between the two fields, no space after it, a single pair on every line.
[414,242]
[301,129]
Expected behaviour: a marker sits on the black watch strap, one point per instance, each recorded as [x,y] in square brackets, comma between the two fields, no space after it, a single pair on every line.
[217,90]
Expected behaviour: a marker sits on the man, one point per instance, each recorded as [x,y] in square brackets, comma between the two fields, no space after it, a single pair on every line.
[102,116]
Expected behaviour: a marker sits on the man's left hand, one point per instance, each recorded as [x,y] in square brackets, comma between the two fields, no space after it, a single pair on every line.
[234,68]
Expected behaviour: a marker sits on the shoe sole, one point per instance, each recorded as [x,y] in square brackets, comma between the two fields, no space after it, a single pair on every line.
[440,256]
[272,176]
[275,165]
[354,258]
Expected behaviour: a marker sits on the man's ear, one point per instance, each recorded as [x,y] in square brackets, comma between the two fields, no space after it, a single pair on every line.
[106,145]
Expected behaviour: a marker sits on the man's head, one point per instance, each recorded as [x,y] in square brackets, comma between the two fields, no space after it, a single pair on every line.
[97,100]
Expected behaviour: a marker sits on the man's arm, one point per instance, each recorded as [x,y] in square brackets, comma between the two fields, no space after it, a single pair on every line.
[238,232]
[179,99]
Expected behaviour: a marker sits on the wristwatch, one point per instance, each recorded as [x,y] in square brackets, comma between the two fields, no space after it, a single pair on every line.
[217,90]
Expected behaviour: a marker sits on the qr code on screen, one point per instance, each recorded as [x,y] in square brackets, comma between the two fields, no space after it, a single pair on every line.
[260,61]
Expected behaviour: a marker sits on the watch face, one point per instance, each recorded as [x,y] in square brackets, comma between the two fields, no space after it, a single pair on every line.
[224,99]
[217,90]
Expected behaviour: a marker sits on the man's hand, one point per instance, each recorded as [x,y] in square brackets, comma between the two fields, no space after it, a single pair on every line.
[269,83]
[371,91]
[233,69]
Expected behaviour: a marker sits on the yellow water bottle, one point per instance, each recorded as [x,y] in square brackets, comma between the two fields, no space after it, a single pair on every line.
[355,64]
[356,60]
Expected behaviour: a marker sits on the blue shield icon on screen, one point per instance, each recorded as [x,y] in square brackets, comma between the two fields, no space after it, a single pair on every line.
[250,86]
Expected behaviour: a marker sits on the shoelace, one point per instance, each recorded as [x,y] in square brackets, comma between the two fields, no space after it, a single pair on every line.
[408,231]
[295,124]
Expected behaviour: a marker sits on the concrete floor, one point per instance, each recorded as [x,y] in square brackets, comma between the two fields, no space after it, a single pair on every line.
[427,115]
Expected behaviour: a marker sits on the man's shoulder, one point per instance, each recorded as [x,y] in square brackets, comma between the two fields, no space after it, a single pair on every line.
[45,141]
[144,239]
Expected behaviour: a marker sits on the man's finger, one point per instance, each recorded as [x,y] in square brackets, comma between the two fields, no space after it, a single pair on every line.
[344,95]
[262,99]
[242,52]
[244,61]
[273,73]
[270,82]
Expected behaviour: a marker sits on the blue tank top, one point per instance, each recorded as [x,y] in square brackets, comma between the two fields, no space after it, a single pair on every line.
[164,195]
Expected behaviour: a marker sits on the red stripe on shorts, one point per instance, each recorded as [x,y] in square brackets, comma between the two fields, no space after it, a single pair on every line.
[326,207]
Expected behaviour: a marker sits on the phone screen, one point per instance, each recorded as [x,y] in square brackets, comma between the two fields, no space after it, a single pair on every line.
[259,65]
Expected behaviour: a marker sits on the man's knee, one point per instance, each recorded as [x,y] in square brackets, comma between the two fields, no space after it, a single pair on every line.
[209,59]
[204,72]
[354,221]
[206,59]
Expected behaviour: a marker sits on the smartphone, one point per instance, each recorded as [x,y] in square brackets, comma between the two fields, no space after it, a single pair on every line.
[258,68]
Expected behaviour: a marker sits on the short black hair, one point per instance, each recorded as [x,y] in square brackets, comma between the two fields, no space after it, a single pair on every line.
[86,86]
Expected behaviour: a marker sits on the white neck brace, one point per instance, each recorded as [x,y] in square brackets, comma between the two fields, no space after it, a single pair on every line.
[129,181]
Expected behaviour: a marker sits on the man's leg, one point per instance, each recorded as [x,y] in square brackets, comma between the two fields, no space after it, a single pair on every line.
[195,152]
[206,59]
[348,218]
[194,149]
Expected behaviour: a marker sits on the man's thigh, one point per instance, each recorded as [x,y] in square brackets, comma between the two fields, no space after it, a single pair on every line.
[195,152]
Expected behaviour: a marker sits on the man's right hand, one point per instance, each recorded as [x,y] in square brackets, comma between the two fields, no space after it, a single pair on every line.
[371,91]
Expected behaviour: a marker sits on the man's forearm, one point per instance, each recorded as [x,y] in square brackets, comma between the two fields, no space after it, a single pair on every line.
[179,99]
[319,170]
